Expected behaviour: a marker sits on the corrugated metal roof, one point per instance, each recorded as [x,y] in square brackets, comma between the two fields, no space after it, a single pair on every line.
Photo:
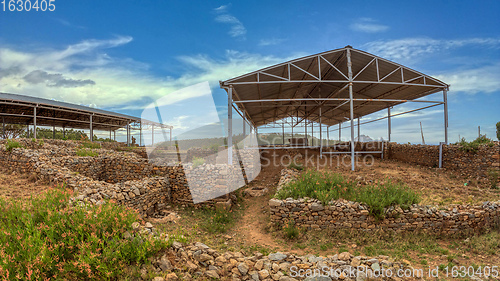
[326,76]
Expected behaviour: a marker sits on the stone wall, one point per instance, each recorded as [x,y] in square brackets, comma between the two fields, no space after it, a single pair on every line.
[341,214]
[470,164]
[124,177]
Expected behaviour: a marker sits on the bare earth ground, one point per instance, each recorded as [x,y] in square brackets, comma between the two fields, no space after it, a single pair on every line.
[250,230]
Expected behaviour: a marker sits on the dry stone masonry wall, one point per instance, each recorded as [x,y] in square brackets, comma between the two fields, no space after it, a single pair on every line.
[341,214]
[124,177]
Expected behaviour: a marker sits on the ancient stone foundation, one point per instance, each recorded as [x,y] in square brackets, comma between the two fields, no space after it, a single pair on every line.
[124,177]
[341,214]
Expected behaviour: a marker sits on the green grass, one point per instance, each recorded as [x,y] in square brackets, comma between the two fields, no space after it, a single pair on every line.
[216,221]
[92,145]
[291,231]
[326,187]
[46,238]
[197,161]
[11,145]
[86,152]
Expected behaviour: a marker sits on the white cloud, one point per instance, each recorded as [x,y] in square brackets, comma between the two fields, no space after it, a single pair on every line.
[270,42]
[407,49]
[116,83]
[237,29]
[368,25]
[484,79]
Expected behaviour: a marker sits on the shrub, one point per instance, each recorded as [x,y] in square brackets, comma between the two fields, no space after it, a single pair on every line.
[197,161]
[11,145]
[86,152]
[46,238]
[498,131]
[474,145]
[331,186]
[291,232]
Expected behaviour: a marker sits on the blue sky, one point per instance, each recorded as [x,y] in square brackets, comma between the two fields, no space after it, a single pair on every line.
[121,55]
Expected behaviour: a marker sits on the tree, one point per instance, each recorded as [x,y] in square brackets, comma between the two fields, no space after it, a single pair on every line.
[13,131]
[498,131]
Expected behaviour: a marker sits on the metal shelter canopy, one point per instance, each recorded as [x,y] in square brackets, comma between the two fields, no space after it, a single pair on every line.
[298,88]
[328,88]
[26,110]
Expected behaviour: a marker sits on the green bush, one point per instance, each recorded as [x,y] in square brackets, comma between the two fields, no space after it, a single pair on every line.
[332,186]
[498,131]
[197,161]
[86,152]
[11,145]
[46,238]
[473,146]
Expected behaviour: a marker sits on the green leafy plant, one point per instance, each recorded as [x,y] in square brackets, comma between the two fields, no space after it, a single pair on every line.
[197,161]
[47,238]
[12,144]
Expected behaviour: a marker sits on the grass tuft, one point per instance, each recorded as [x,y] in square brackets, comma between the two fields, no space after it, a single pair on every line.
[11,145]
[86,152]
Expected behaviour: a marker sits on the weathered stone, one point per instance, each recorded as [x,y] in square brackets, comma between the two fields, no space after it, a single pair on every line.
[277,256]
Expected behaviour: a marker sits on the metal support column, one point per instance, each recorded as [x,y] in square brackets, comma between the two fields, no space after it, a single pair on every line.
[389,123]
[53,132]
[283,133]
[291,140]
[445,99]
[312,133]
[320,136]
[152,134]
[340,131]
[358,131]
[140,134]
[114,135]
[91,130]
[305,133]
[34,122]
[230,126]
[327,135]
[27,129]
[3,127]
[171,135]
[128,134]
[64,132]
[109,133]
[351,105]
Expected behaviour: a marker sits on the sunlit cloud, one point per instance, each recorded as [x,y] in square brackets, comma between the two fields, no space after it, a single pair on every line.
[368,25]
